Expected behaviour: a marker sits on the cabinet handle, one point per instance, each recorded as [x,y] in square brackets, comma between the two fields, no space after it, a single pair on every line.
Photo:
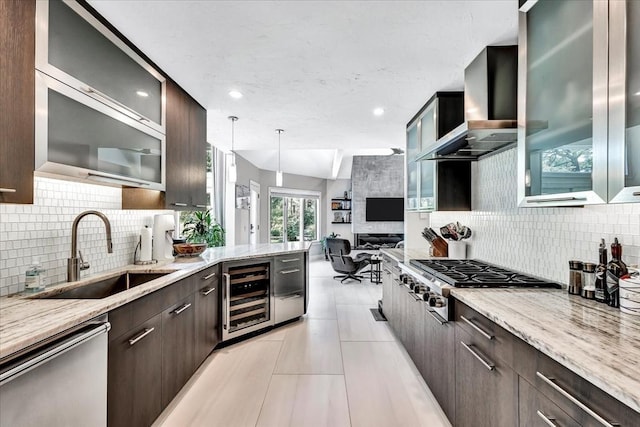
[558,199]
[295,270]
[437,317]
[199,206]
[181,309]
[7,190]
[489,365]
[415,296]
[136,115]
[180,205]
[209,276]
[585,408]
[126,180]
[290,260]
[635,193]
[547,420]
[143,334]
[206,292]
[225,297]
[477,328]
[298,295]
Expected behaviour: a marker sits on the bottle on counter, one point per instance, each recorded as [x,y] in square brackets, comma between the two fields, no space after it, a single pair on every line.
[601,274]
[616,268]
[35,277]
[589,280]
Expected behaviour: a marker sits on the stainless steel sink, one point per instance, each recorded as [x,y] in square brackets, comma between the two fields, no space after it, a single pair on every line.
[105,287]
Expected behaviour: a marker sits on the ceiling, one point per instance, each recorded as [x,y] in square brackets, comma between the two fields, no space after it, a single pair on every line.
[316,69]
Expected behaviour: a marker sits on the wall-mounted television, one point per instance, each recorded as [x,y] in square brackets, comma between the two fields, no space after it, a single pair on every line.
[385,209]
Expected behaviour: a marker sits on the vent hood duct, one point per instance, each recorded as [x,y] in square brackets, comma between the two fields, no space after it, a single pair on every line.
[490,102]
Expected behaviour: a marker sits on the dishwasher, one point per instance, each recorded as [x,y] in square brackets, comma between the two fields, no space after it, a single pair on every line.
[59,382]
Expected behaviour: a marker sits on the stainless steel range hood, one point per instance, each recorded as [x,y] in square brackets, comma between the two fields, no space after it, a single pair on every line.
[490,102]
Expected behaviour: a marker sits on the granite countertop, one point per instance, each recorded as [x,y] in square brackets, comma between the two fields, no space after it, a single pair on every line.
[25,321]
[577,333]
[405,254]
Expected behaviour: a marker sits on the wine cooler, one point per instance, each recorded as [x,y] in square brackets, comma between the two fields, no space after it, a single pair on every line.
[247,298]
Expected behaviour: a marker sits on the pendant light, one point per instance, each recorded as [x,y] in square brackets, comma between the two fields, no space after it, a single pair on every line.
[279,171]
[233,172]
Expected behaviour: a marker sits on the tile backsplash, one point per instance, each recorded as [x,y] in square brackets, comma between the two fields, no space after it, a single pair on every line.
[44,230]
[538,241]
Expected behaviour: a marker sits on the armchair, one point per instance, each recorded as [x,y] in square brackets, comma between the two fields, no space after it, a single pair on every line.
[341,262]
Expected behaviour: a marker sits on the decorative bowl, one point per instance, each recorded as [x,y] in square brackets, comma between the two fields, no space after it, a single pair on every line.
[189,249]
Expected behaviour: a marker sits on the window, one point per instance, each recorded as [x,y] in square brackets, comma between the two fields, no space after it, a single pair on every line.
[293,215]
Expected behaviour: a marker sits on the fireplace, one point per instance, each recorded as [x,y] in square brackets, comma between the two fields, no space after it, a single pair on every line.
[377,240]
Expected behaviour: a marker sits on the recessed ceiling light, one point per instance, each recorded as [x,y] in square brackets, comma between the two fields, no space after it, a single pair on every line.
[142,93]
[235,94]
[378,111]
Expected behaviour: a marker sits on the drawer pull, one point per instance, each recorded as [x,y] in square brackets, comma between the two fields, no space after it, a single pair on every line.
[182,205]
[558,199]
[200,206]
[7,190]
[547,420]
[144,333]
[415,296]
[206,292]
[295,270]
[290,260]
[490,366]
[478,328]
[181,309]
[585,408]
[437,317]
[209,276]
[636,193]
[298,295]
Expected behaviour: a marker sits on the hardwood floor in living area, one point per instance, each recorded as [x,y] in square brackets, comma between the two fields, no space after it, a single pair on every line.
[337,366]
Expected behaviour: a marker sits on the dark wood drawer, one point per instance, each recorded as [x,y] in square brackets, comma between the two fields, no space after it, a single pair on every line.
[138,311]
[576,396]
[489,337]
[206,279]
[535,410]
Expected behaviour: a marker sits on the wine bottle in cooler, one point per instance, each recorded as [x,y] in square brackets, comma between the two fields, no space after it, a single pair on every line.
[601,294]
[615,270]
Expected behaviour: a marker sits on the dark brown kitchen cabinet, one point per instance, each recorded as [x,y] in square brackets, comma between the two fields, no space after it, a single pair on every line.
[486,388]
[535,410]
[17,93]
[207,299]
[178,337]
[186,158]
[134,375]
[438,361]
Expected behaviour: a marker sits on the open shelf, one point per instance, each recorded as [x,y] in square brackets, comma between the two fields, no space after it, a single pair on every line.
[340,222]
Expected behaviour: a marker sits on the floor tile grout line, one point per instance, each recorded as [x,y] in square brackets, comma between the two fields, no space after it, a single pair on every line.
[264,398]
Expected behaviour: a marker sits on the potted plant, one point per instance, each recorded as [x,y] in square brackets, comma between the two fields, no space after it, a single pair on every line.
[200,227]
[324,244]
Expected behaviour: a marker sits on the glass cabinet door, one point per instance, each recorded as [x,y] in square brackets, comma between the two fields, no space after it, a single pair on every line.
[624,102]
[428,137]
[73,47]
[412,151]
[562,145]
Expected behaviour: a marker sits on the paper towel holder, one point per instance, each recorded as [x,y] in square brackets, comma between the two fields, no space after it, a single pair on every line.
[136,259]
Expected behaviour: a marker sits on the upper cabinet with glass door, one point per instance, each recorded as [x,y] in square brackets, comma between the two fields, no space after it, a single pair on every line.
[75,48]
[441,114]
[563,85]
[624,101]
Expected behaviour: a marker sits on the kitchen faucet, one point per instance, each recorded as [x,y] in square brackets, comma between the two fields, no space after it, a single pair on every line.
[75,264]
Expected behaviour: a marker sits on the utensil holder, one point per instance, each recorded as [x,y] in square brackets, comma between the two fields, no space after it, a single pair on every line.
[457,249]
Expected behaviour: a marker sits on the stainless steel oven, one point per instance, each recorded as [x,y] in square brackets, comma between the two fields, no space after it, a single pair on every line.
[247,297]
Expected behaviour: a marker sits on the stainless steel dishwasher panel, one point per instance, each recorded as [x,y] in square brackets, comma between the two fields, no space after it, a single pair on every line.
[61,384]
[289,286]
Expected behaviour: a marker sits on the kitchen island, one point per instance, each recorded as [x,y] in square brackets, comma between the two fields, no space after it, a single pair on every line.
[27,319]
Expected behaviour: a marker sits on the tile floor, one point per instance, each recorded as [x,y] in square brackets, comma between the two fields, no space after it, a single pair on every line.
[335,367]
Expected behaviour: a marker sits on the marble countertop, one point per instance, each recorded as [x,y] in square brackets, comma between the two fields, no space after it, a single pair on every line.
[577,333]
[405,254]
[25,320]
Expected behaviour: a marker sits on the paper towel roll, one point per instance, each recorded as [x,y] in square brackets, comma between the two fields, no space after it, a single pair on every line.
[145,244]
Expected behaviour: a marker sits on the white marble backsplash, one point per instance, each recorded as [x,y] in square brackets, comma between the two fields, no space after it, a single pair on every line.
[44,230]
[538,241]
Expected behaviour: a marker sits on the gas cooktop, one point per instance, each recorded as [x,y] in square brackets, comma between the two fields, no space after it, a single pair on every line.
[470,273]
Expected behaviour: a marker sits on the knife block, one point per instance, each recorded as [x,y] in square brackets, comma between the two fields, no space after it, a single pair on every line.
[440,248]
